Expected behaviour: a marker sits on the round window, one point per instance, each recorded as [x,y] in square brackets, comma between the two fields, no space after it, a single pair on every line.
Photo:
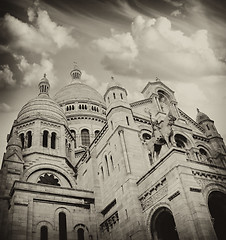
[146,136]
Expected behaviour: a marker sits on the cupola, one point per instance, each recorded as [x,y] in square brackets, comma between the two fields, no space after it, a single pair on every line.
[76,74]
[44,86]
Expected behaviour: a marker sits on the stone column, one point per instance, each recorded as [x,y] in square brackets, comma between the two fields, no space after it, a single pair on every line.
[125,155]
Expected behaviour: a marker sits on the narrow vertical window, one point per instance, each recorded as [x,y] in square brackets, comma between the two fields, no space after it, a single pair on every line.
[112,125]
[121,96]
[45,139]
[106,160]
[85,137]
[80,234]
[127,120]
[114,96]
[108,99]
[102,172]
[44,233]
[29,139]
[22,140]
[62,226]
[112,163]
[53,140]
[207,126]
[74,135]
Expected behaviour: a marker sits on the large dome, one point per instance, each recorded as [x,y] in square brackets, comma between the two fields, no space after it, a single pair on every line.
[78,91]
[44,107]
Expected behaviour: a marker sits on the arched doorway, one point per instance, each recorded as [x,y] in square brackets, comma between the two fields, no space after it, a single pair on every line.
[217,208]
[163,225]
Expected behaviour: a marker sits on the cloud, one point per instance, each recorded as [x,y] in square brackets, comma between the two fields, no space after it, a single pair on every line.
[119,49]
[6,77]
[174,3]
[93,82]
[5,107]
[38,36]
[33,72]
[153,46]
[176,13]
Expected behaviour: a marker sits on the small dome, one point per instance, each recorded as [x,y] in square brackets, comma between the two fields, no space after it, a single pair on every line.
[78,91]
[44,107]
[201,117]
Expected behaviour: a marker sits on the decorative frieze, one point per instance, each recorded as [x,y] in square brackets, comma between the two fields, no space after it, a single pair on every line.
[154,194]
[110,222]
[50,124]
[25,125]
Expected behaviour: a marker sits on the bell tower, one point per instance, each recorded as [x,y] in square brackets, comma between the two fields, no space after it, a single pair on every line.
[211,132]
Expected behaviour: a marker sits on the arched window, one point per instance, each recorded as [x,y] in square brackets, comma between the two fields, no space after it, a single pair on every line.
[80,233]
[163,225]
[85,137]
[74,135]
[96,132]
[106,160]
[22,139]
[217,208]
[62,226]
[53,140]
[29,139]
[181,141]
[44,233]
[163,101]
[45,139]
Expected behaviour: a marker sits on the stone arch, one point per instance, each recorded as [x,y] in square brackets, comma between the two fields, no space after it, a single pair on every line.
[150,215]
[216,202]
[77,228]
[162,224]
[69,219]
[44,223]
[183,136]
[28,172]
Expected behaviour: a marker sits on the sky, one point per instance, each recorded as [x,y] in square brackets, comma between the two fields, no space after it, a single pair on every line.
[182,42]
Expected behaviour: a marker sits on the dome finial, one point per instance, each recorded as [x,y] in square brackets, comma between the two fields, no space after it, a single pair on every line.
[198,110]
[75,73]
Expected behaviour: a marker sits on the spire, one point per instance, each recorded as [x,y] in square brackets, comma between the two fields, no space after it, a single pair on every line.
[75,73]
[44,86]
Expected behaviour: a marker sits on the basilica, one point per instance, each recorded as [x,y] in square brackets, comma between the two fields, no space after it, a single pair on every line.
[82,166]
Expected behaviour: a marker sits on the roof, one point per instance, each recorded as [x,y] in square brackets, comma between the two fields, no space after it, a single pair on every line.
[78,91]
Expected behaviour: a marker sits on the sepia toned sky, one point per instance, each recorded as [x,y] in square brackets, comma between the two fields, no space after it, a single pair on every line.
[182,42]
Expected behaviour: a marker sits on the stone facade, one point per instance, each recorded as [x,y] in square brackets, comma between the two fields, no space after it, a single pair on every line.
[83,166]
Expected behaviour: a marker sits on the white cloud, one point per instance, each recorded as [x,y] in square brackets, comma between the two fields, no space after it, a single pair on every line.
[40,35]
[154,46]
[33,72]
[6,77]
[5,107]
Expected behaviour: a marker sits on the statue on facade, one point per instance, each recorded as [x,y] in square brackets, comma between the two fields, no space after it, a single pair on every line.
[162,134]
